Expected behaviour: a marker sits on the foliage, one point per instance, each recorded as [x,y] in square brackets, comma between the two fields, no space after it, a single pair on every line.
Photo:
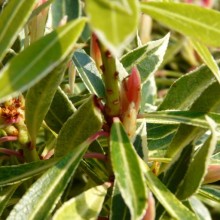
[109,109]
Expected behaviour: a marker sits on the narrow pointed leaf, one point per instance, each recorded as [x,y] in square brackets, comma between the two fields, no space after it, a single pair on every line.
[89,73]
[87,205]
[18,173]
[185,117]
[12,20]
[210,192]
[56,116]
[196,20]
[187,89]
[41,198]
[117,15]
[5,195]
[193,180]
[86,121]
[172,205]
[147,58]
[200,209]
[38,100]
[140,141]
[119,209]
[33,64]
[127,170]
[207,58]
[68,8]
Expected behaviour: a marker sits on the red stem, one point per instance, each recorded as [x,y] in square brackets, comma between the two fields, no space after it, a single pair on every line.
[97,135]
[95,155]
[8,138]
[11,152]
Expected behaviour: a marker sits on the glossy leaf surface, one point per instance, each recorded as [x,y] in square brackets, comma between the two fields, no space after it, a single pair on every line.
[12,20]
[128,173]
[33,64]
[87,205]
[87,120]
[196,20]
[117,15]
[42,196]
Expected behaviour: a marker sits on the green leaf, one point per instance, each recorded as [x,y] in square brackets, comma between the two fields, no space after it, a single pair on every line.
[208,101]
[148,94]
[210,192]
[147,58]
[116,15]
[18,173]
[207,58]
[89,73]
[172,205]
[33,64]
[68,8]
[196,20]
[12,19]
[193,180]
[5,195]
[127,170]
[41,198]
[140,141]
[185,117]
[39,98]
[87,205]
[119,210]
[56,116]
[187,89]
[86,121]
[37,10]
[200,209]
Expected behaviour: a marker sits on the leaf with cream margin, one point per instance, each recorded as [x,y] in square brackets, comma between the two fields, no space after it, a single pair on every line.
[32,64]
[114,23]
[86,205]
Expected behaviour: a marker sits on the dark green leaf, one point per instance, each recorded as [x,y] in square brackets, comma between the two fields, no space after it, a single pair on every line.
[119,210]
[69,8]
[89,73]
[193,180]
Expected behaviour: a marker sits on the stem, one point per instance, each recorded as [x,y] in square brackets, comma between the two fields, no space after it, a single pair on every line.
[110,78]
[95,156]
[8,138]
[11,152]
[97,135]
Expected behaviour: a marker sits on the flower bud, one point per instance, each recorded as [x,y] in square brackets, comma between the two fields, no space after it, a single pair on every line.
[130,101]
[213,174]
[95,51]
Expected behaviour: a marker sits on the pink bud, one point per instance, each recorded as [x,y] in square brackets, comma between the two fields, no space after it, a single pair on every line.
[131,90]
[95,51]
[213,174]
[150,213]
[207,3]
